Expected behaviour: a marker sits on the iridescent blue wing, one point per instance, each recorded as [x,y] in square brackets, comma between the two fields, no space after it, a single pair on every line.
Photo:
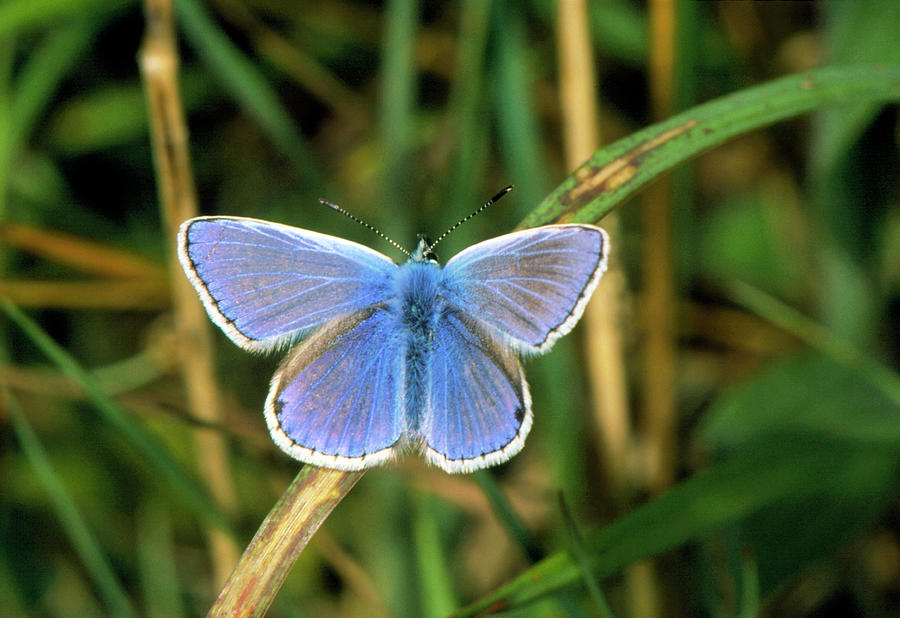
[334,402]
[265,284]
[479,408]
[531,285]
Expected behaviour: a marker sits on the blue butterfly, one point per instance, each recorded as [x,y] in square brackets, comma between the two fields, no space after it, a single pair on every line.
[394,357]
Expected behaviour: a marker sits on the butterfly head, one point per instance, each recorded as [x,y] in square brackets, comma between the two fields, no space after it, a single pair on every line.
[423,252]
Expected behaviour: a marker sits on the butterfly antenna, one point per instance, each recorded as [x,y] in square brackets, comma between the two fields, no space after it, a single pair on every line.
[480,209]
[372,228]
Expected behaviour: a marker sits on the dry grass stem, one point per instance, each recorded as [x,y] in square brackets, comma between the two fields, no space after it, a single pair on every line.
[606,366]
[659,293]
[281,539]
[178,200]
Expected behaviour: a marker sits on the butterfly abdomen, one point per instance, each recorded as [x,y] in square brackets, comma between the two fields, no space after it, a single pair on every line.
[416,307]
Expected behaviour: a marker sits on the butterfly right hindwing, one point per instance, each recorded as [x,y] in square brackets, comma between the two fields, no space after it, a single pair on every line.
[479,408]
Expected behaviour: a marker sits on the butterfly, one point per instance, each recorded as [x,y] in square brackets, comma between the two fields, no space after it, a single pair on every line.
[394,357]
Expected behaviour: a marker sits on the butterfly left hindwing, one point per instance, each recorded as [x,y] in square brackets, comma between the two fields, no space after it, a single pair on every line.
[334,402]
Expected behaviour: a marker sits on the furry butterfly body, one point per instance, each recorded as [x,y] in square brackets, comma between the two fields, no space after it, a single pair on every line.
[394,357]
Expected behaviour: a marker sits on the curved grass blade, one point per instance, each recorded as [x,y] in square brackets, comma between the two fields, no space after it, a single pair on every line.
[86,545]
[721,496]
[616,172]
[281,538]
[149,449]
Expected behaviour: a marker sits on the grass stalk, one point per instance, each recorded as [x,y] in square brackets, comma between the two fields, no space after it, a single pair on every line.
[178,201]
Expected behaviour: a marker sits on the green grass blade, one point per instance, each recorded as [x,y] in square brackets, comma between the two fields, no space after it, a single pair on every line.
[507,517]
[518,119]
[435,579]
[156,554]
[750,597]
[18,15]
[616,172]
[880,19]
[580,557]
[7,132]
[30,94]
[244,81]
[397,99]
[816,336]
[466,109]
[808,394]
[847,168]
[152,452]
[620,31]
[46,67]
[108,117]
[723,495]
[86,545]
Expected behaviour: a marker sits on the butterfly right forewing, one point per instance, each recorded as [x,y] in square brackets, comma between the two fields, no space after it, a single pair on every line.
[532,285]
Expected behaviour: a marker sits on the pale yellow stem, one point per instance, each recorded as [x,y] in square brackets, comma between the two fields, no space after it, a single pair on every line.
[178,201]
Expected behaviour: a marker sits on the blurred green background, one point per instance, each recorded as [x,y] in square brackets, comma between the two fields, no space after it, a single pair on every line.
[780,493]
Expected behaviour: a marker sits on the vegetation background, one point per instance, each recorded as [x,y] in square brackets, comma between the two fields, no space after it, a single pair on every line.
[723,429]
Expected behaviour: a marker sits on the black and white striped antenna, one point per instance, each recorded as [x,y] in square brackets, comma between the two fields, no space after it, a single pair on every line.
[372,228]
[480,209]
[431,246]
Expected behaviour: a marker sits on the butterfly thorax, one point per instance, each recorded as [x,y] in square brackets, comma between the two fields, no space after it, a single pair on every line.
[416,289]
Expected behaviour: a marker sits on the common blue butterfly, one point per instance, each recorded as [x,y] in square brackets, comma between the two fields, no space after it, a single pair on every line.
[394,357]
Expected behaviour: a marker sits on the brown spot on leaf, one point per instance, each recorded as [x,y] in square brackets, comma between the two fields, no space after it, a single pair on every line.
[621,177]
[591,181]
[493,608]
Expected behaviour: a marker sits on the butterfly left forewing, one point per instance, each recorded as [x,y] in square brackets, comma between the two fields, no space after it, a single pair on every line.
[264,284]
[532,286]
[478,409]
[335,400]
